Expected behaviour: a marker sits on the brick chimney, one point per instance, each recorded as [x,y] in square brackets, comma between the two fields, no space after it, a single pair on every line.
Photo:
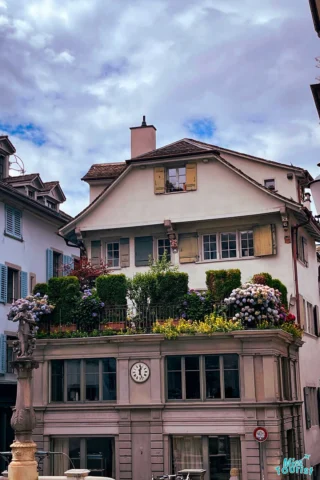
[143,139]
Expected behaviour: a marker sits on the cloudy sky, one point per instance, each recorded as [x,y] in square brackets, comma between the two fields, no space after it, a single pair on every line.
[77,74]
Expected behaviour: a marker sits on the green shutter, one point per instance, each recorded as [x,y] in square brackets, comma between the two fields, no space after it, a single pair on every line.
[49,258]
[3,283]
[124,252]
[3,354]
[23,284]
[95,253]
[143,250]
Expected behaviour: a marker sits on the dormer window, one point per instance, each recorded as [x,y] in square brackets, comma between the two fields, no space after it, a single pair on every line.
[31,194]
[270,184]
[51,205]
[1,167]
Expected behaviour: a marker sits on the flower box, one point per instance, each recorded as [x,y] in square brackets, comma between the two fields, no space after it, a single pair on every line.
[63,328]
[113,326]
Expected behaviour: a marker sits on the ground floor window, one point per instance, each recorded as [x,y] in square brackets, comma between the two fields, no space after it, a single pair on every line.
[218,454]
[94,453]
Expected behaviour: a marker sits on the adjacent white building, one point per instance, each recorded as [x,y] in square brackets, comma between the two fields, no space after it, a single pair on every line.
[31,251]
[211,208]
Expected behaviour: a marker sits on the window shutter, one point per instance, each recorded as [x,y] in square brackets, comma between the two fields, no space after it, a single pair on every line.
[9,220]
[23,284]
[49,258]
[95,253]
[263,243]
[191,176]
[316,320]
[124,252]
[307,407]
[17,224]
[3,283]
[159,180]
[3,354]
[188,248]
[143,250]
[302,311]
[305,250]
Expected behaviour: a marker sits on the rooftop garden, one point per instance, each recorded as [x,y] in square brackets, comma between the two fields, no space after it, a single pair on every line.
[90,302]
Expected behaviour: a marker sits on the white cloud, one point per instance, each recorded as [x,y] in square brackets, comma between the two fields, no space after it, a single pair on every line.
[84,72]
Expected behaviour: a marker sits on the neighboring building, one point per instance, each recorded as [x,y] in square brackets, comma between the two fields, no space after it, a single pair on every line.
[31,252]
[210,208]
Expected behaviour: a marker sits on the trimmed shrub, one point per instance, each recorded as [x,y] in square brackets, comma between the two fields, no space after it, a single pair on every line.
[140,288]
[64,293]
[278,285]
[169,288]
[57,287]
[196,305]
[112,289]
[262,279]
[41,288]
[222,282]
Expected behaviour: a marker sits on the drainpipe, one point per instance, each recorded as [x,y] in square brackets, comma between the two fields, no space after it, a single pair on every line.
[294,232]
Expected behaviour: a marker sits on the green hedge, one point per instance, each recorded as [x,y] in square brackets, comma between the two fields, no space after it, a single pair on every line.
[112,289]
[221,282]
[169,288]
[64,293]
[41,288]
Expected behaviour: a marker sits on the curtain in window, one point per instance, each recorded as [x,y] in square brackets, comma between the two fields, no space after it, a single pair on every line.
[187,453]
[60,462]
[235,454]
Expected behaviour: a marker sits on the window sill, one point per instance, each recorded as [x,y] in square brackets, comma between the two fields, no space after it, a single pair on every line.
[312,335]
[227,260]
[86,402]
[207,400]
[13,237]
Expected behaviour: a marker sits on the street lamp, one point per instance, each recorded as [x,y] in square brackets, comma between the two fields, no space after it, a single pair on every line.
[315,191]
[315,10]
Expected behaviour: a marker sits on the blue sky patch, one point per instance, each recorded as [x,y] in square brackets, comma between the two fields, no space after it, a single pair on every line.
[28,132]
[201,128]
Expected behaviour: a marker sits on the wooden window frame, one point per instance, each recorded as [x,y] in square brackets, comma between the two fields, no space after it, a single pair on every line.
[237,245]
[217,240]
[176,168]
[242,232]
[113,242]
[82,398]
[303,250]
[157,255]
[202,376]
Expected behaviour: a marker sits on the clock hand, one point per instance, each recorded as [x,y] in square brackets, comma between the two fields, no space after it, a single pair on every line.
[140,368]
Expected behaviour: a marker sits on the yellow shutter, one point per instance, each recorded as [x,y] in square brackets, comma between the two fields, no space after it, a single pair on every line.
[158,180]
[263,241]
[302,304]
[188,248]
[191,176]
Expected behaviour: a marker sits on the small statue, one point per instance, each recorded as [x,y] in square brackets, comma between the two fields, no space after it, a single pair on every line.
[25,344]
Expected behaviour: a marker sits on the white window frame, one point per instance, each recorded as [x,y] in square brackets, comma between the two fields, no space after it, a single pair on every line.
[209,251]
[237,245]
[240,243]
[157,247]
[52,205]
[113,250]
[176,168]
[219,249]
[270,180]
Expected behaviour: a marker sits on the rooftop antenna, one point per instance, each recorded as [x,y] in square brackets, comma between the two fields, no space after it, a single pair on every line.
[17,165]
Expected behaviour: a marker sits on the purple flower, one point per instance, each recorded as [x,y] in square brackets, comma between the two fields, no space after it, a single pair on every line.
[183,315]
[94,314]
[101,304]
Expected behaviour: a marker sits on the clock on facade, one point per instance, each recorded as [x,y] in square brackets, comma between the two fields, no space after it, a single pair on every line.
[140,372]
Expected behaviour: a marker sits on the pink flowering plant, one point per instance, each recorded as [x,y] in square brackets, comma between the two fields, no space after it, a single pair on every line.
[38,306]
[254,304]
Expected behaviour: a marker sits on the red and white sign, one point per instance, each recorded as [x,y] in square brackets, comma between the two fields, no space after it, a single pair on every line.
[260,434]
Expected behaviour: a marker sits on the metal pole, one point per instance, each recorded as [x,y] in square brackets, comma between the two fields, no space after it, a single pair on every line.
[261,460]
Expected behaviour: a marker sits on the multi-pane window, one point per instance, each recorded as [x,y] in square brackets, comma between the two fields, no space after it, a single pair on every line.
[270,184]
[13,222]
[247,244]
[228,245]
[57,264]
[164,246]
[51,205]
[113,254]
[31,193]
[176,179]
[303,250]
[83,380]
[203,377]
[310,320]
[13,285]
[210,247]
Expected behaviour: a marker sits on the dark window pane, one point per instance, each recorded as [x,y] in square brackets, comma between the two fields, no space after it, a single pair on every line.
[230,361]
[109,391]
[231,384]
[57,380]
[225,254]
[174,386]
[213,389]
[233,253]
[73,380]
[174,363]
[92,380]
[74,452]
[206,238]
[192,363]
[192,385]
[207,255]
[99,453]
[233,245]
[109,365]
[212,362]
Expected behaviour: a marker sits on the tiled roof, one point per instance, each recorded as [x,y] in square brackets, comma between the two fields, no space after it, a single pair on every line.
[49,185]
[21,178]
[105,170]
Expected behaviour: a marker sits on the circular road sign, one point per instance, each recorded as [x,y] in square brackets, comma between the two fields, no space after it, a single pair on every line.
[260,434]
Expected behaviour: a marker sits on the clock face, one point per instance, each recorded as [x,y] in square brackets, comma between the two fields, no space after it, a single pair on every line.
[140,372]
